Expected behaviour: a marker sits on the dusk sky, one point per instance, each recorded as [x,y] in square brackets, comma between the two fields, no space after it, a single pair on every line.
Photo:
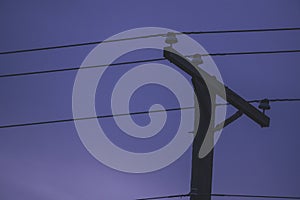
[50,162]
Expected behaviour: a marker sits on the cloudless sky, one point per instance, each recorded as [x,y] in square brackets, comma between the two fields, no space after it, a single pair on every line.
[49,161]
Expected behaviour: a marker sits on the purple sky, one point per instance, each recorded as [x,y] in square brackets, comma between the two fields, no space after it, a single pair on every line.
[49,161]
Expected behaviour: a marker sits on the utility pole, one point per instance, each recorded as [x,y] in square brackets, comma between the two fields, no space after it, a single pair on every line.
[201,177]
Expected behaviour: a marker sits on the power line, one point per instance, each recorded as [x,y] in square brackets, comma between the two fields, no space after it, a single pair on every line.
[148,36]
[132,113]
[77,44]
[77,68]
[222,195]
[167,197]
[283,100]
[254,52]
[255,196]
[96,117]
[270,100]
[241,31]
[149,60]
